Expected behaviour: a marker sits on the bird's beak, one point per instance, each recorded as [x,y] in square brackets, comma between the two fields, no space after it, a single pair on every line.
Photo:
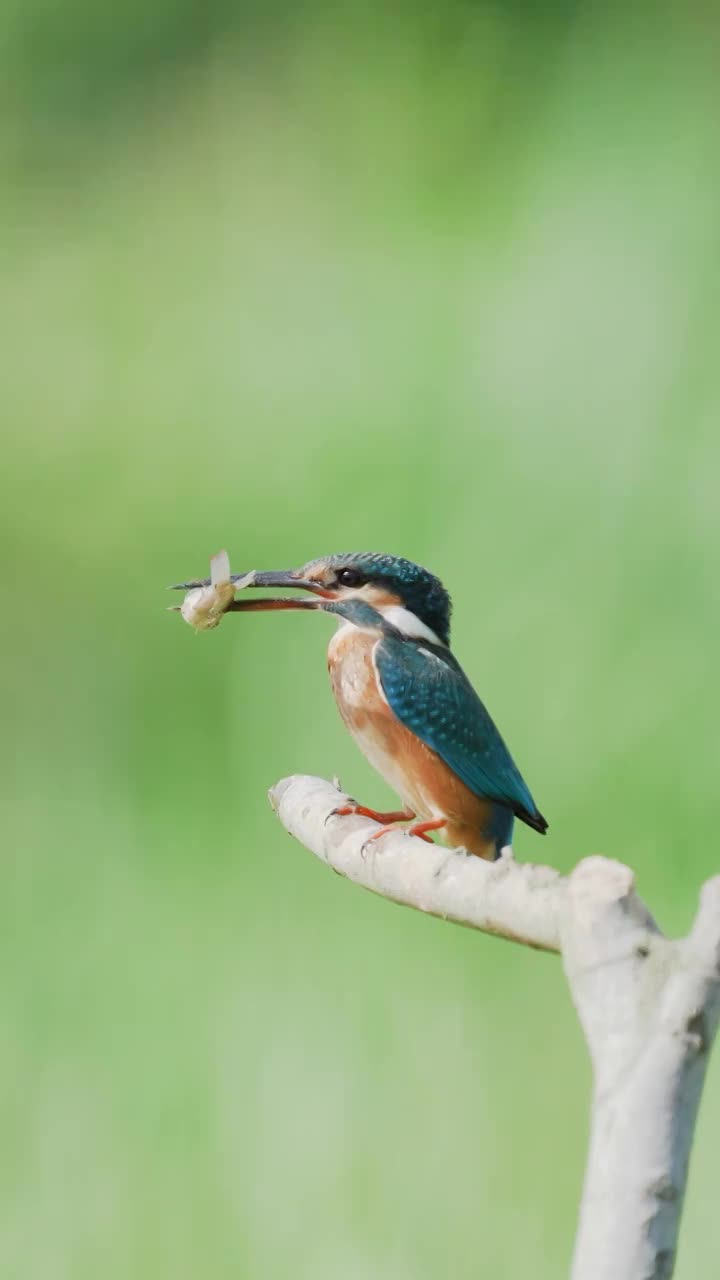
[271,602]
[281,578]
[290,578]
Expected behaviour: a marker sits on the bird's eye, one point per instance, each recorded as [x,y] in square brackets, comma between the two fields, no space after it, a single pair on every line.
[349,578]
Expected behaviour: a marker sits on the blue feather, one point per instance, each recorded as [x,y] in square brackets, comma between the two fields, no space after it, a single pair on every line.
[429,692]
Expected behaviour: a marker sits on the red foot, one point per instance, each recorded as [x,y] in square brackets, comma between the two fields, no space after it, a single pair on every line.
[395,815]
[381,831]
[420,828]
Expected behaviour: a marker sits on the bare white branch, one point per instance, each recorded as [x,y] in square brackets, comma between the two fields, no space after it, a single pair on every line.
[649,1006]
[514,900]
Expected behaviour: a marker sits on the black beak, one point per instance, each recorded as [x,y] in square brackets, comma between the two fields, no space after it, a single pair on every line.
[272,602]
[271,578]
[284,578]
[280,578]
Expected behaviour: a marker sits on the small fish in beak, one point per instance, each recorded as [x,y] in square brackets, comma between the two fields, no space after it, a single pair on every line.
[206,602]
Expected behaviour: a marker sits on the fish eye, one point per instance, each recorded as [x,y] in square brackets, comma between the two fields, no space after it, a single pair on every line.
[349,578]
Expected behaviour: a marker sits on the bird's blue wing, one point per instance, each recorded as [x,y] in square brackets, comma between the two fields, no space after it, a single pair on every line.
[429,692]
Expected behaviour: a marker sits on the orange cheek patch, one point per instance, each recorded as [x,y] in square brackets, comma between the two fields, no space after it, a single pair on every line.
[378,596]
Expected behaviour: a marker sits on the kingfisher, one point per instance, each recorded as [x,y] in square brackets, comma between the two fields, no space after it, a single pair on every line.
[407,701]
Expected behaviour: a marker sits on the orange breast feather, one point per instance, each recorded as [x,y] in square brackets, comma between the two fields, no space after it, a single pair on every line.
[418,775]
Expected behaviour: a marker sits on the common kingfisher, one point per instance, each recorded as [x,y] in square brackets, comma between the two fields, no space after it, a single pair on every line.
[407,701]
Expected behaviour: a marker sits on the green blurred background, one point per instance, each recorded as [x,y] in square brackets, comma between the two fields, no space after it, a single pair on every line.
[441,281]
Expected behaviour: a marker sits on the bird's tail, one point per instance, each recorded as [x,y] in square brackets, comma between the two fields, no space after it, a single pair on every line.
[534,820]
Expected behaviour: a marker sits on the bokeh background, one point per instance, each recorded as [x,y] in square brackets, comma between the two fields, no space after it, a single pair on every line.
[438,280]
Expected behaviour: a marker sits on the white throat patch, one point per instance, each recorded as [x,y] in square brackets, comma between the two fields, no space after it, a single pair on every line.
[408,623]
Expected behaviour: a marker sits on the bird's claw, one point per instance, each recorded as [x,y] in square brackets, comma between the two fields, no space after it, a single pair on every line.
[377,835]
[341,811]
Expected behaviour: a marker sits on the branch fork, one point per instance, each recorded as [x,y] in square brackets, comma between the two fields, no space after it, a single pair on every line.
[649,1006]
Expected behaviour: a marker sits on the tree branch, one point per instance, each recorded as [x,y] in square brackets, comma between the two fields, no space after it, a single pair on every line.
[514,900]
[649,1006]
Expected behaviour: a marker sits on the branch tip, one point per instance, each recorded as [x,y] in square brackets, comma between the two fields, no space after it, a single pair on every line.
[601,880]
[705,933]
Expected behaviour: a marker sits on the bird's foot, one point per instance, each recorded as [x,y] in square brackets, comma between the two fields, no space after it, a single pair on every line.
[419,829]
[376,835]
[395,815]
[387,821]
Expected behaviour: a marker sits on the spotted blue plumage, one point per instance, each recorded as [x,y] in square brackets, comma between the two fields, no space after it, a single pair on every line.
[429,692]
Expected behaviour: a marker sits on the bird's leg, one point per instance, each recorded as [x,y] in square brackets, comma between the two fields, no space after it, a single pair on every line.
[395,815]
[363,812]
[421,828]
[417,829]
[388,820]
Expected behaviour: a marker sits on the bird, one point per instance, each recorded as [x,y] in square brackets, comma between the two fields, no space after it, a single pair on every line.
[406,700]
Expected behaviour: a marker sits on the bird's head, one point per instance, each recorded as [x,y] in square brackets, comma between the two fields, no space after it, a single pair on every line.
[408,596]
